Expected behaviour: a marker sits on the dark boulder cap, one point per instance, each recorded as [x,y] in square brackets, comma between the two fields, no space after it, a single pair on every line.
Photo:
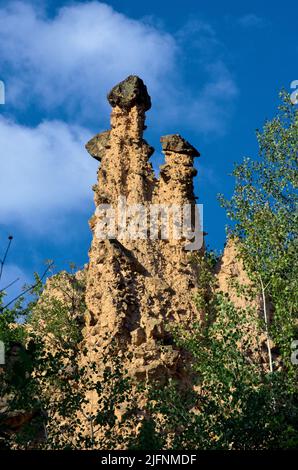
[130,92]
[176,143]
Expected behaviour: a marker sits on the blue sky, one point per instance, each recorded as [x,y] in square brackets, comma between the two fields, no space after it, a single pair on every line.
[213,70]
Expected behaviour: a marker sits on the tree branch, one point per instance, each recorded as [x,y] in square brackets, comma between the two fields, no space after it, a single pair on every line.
[28,289]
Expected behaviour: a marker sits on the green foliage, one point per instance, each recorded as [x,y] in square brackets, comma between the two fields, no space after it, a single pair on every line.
[234,403]
[147,438]
[10,329]
[50,377]
[68,381]
[59,313]
[264,208]
[81,399]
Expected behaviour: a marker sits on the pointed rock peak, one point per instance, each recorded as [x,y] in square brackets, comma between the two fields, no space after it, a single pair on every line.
[131,92]
[176,143]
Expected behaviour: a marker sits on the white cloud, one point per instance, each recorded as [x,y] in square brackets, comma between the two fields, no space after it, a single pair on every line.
[66,64]
[251,20]
[63,66]
[73,59]
[45,172]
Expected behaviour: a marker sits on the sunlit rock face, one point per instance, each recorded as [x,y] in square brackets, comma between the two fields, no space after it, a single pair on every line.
[137,287]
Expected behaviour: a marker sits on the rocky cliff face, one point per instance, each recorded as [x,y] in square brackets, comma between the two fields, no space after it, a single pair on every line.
[138,286]
[141,279]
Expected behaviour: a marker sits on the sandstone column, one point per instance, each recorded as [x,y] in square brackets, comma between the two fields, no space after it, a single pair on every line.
[137,287]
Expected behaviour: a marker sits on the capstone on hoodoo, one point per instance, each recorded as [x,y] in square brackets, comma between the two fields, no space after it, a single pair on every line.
[137,288]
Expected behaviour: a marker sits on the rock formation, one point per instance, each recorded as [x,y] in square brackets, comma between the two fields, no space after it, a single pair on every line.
[233,280]
[141,280]
[138,287]
[231,274]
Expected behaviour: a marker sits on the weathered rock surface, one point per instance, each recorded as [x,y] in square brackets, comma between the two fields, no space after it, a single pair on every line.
[98,145]
[230,273]
[176,143]
[234,282]
[136,288]
[130,92]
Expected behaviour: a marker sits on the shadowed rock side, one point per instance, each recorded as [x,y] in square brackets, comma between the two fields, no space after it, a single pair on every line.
[135,288]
